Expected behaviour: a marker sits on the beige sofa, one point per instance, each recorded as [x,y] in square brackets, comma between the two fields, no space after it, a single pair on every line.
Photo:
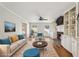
[9,50]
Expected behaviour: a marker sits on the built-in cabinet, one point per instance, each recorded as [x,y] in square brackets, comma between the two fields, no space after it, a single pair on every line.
[66,43]
[74,47]
[70,40]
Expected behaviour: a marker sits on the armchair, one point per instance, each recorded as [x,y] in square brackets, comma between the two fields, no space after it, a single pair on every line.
[40,36]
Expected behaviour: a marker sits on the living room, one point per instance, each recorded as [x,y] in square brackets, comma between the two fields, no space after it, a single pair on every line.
[40,28]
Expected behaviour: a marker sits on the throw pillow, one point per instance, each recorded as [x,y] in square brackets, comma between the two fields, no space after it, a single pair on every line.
[14,38]
[21,36]
[5,41]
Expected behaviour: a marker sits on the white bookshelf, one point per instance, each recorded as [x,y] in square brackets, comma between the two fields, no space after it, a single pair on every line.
[71,30]
[69,22]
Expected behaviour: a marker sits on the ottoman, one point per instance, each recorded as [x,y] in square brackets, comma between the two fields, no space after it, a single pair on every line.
[33,52]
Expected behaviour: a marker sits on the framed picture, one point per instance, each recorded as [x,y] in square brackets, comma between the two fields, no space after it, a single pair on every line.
[9,27]
[47,26]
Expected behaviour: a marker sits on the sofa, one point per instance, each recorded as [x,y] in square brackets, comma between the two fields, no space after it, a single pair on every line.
[7,48]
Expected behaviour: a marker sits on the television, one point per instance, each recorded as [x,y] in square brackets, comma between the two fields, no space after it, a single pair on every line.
[9,26]
[60,20]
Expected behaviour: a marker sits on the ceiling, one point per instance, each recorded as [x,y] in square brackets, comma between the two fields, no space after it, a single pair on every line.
[32,10]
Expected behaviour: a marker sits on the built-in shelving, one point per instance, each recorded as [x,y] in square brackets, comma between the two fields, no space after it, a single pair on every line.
[71,30]
[69,22]
[66,17]
[77,32]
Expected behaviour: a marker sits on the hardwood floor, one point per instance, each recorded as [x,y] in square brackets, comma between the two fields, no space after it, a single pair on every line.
[62,52]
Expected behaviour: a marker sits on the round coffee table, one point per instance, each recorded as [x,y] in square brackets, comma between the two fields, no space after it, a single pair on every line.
[40,44]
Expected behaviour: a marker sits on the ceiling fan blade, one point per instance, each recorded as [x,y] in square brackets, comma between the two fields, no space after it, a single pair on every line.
[45,19]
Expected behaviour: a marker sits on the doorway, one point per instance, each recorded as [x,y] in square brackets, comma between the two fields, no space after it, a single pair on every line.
[24,29]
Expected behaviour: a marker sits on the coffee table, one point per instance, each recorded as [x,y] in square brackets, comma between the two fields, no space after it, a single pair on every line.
[40,44]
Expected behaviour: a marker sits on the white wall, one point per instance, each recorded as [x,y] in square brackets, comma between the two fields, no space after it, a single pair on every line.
[60,28]
[5,15]
[54,30]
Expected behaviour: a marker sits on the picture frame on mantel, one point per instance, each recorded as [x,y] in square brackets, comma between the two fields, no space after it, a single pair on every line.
[9,26]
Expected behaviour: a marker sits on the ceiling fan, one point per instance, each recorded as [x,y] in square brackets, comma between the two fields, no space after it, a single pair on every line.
[40,17]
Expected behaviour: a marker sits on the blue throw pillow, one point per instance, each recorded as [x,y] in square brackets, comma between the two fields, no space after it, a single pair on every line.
[5,41]
[0,41]
[21,37]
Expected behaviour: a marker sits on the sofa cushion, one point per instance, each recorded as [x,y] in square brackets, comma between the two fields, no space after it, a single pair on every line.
[21,36]
[21,41]
[5,41]
[14,38]
[16,44]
